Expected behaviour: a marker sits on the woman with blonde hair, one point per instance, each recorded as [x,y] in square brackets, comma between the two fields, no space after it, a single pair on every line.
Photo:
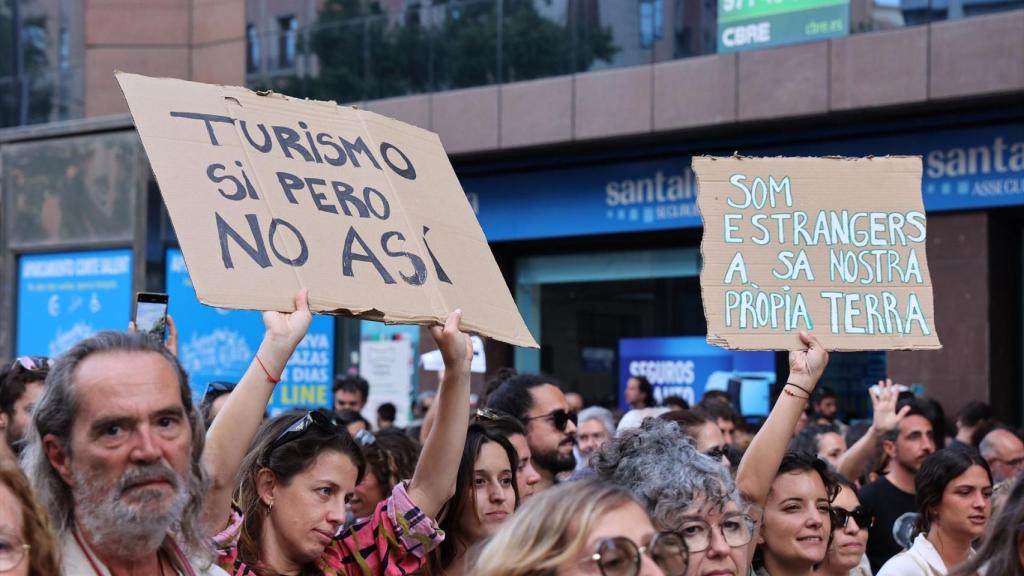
[27,547]
[582,528]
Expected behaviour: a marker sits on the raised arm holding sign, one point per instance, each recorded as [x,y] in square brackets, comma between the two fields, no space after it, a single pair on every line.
[270,194]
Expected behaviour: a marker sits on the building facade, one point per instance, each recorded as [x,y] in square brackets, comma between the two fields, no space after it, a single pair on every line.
[571,125]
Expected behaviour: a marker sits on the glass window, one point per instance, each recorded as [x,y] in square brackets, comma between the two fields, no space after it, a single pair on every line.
[64,50]
[581,305]
[652,20]
[582,324]
[72,190]
[288,37]
[252,49]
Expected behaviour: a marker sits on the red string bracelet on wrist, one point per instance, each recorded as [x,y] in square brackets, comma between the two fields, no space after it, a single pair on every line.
[267,372]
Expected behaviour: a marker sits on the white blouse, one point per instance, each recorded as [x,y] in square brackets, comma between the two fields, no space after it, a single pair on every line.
[921,560]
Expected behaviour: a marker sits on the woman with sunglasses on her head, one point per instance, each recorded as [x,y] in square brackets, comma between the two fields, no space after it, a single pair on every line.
[954,499]
[584,528]
[485,496]
[300,470]
[527,476]
[21,386]
[850,523]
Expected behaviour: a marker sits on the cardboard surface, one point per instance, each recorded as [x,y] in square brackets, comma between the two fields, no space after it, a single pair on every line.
[269,194]
[832,245]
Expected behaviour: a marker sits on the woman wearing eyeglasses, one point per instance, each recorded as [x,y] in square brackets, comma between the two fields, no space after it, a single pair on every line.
[850,523]
[485,497]
[684,491]
[300,470]
[584,528]
[954,499]
[27,547]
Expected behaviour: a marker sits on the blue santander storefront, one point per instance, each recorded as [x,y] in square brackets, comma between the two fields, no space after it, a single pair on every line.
[602,251]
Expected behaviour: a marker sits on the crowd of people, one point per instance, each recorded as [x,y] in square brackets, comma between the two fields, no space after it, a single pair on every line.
[108,467]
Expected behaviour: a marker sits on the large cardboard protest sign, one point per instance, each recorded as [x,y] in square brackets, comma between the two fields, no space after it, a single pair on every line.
[269,194]
[835,246]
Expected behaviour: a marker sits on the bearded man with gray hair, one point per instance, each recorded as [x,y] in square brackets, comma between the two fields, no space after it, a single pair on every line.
[114,453]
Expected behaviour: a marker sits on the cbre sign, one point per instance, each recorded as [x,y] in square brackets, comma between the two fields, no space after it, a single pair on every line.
[752,24]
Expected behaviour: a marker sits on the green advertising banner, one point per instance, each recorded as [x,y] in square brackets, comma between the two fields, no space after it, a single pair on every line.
[752,24]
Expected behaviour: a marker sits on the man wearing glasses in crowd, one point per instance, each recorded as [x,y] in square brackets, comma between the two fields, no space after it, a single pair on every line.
[1004,452]
[550,424]
[21,385]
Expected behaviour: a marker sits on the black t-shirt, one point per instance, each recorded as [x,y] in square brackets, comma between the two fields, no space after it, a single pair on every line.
[888,503]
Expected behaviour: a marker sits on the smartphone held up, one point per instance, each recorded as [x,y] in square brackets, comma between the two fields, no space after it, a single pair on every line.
[151,314]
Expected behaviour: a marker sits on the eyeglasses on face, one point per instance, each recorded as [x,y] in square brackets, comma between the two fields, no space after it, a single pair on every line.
[862,516]
[1013,463]
[622,557]
[736,529]
[560,418]
[12,552]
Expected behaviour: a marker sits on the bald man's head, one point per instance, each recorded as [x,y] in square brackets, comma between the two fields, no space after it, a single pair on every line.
[1004,452]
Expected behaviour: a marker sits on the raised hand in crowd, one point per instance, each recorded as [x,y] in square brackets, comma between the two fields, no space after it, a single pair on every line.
[760,462]
[794,490]
[172,334]
[297,470]
[434,481]
[855,461]
[232,431]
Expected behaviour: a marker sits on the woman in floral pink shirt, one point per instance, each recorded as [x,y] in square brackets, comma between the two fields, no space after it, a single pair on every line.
[302,467]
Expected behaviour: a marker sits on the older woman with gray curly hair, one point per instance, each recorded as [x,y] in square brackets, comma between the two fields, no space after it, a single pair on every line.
[684,491]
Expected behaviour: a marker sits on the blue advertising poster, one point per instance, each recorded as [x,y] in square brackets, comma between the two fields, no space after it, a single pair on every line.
[216,344]
[688,366]
[964,168]
[63,298]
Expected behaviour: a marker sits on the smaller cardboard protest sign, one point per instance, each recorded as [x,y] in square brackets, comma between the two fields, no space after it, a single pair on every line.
[834,246]
[269,194]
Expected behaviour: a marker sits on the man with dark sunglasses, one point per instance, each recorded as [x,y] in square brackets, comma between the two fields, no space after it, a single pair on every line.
[21,385]
[550,424]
